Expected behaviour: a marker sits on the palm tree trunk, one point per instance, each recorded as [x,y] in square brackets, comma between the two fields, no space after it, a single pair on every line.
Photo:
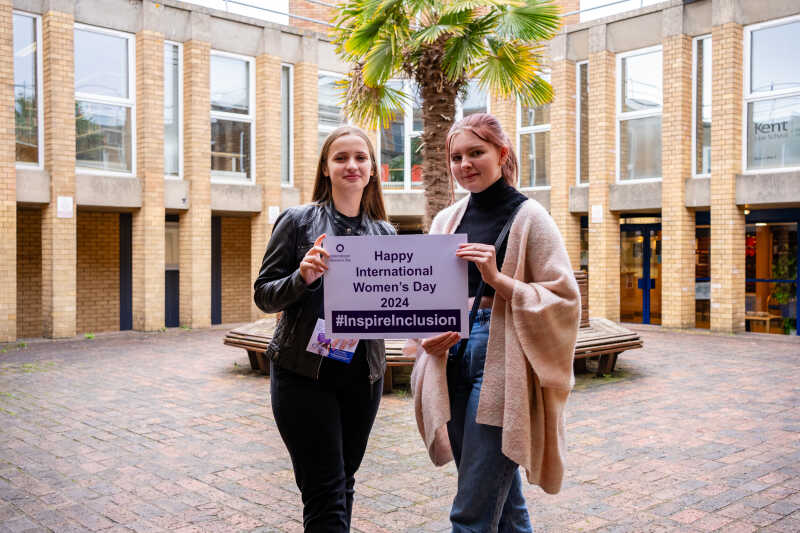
[438,109]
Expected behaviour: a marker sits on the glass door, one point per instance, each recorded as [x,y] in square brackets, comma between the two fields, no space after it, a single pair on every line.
[640,273]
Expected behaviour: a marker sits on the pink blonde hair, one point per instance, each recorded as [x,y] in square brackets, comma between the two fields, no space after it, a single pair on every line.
[487,128]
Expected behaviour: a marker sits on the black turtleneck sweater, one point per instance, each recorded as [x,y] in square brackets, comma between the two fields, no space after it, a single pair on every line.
[486,214]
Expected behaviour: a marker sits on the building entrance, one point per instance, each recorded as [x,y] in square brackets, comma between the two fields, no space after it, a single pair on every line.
[640,272]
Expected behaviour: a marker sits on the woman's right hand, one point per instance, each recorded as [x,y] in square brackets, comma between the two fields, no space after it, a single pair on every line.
[440,344]
[314,264]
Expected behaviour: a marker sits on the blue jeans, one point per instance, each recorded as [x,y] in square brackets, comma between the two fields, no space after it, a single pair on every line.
[489,496]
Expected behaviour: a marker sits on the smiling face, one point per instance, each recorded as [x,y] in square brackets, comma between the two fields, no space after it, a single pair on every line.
[348,165]
[475,163]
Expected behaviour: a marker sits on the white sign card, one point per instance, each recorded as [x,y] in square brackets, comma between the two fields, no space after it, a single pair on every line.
[395,286]
[64,207]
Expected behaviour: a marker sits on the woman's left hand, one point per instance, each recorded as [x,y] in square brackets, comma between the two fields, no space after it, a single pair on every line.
[484,256]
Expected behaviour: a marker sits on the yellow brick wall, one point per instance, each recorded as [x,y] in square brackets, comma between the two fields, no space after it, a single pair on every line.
[8,180]
[148,222]
[59,234]
[235,259]
[268,140]
[562,156]
[604,249]
[98,272]
[29,272]
[727,219]
[312,11]
[195,224]
[306,127]
[677,222]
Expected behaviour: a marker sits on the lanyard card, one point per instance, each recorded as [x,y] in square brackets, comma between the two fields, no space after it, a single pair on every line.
[336,349]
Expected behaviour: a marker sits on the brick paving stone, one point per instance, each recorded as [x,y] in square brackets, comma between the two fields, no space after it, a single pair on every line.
[172,432]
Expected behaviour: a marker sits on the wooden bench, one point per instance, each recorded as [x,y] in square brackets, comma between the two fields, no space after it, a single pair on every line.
[597,338]
[762,316]
[255,337]
[600,338]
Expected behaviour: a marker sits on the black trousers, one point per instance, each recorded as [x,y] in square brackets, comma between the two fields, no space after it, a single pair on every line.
[325,424]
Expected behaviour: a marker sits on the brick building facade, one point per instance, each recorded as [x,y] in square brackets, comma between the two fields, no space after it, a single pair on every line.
[145,183]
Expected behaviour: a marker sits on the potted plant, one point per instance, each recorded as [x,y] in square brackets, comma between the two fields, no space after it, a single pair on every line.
[784,266]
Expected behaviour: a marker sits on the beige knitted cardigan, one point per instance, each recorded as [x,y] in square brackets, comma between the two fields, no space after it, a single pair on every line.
[528,372]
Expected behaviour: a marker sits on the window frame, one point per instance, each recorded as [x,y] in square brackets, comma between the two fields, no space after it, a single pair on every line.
[643,113]
[129,102]
[39,165]
[180,110]
[290,90]
[408,133]
[340,76]
[695,44]
[578,108]
[749,97]
[230,177]
[526,130]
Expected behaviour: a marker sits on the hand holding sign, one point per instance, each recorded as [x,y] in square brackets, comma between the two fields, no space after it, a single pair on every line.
[314,264]
[484,257]
[439,344]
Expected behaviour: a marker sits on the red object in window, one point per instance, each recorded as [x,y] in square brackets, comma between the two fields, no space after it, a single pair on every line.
[416,173]
[385,172]
[750,246]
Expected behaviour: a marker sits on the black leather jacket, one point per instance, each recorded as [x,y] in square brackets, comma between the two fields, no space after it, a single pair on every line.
[280,287]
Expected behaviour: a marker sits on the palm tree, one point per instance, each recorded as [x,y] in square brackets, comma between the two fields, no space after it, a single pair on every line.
[441,45]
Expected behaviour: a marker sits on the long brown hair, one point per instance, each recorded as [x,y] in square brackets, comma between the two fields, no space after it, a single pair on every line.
[487,128]
[371,196]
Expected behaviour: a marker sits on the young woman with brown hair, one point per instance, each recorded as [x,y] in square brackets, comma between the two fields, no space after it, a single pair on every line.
[324,408]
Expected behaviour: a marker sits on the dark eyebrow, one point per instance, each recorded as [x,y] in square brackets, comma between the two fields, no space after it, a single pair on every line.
[345,153]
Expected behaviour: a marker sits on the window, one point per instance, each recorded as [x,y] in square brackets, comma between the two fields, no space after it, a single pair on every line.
[392,149]
[595,9]
[173,98]
[533,142]
[476,101]
[701,132]
[582,123]
[772,96]
[27,87]
[331,113]
[104,100]
[639,102]
[232,142]
[287,108]
[400,153]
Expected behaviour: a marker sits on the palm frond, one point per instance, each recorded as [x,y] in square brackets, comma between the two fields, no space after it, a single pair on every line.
[536,21]
[463,52]
[512,69]
[469,5]
[363,38]
[382,61]
[372,107]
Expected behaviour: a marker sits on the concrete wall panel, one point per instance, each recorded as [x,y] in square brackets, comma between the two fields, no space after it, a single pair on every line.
[107,191]
[635,196]
[579,199]
[634,33]
[578,45]
[697,18]
[176,194]
[698,193]
[235,37]
[781,189]
[121,16]
[33,186]
[231,198]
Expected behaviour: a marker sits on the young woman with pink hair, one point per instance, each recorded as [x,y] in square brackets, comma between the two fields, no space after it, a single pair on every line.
[495,401]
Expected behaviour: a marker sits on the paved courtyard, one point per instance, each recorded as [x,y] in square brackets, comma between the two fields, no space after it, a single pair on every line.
[172,432]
